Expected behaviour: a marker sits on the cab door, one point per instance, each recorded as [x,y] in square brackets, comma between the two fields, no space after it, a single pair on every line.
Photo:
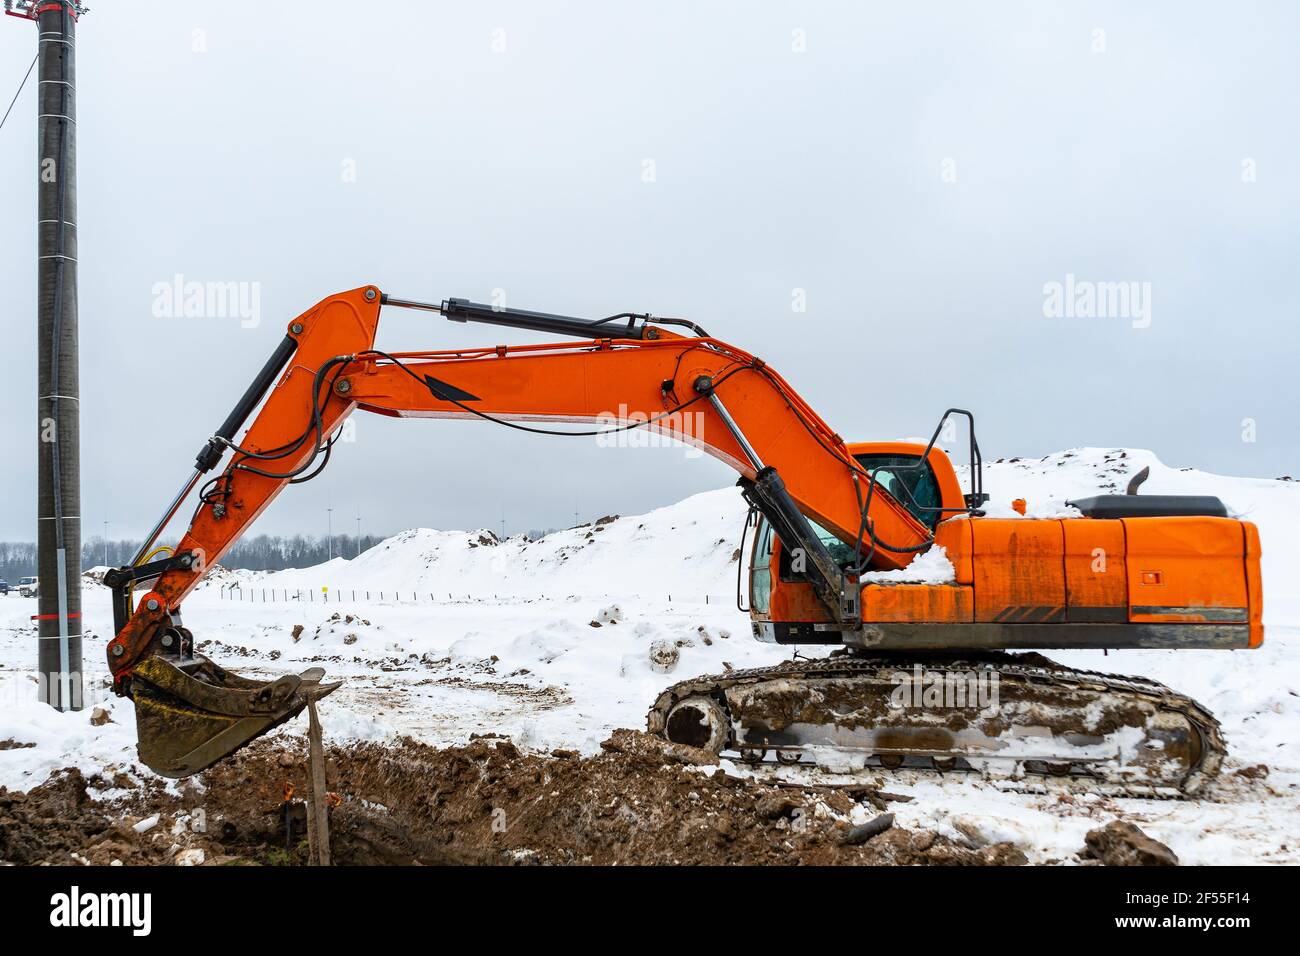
[760,570]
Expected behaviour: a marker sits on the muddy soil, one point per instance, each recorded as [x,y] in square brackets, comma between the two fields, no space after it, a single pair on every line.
[640,801]
[59,823]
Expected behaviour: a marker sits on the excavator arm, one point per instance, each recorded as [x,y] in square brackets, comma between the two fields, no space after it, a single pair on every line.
[627,371]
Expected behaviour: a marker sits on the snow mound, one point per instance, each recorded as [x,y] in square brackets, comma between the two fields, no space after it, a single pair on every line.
[684,549]
[929,567]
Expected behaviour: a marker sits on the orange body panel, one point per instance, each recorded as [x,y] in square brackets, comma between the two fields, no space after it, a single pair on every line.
[1074,571]
[792,600]
[918,603]
[1096,583]
[1254,583]
[1168,570]
[1019,572]
[957,538]
[1188,570]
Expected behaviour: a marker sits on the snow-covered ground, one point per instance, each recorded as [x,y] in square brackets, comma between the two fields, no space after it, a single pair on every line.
[473,634]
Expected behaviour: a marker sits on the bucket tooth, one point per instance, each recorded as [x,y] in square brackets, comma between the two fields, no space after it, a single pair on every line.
[190,712]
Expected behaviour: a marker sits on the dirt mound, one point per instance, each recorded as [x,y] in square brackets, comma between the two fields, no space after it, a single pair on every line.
[638,801]
[59,823]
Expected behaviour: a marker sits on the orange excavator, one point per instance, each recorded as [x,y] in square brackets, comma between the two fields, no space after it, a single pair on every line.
[923,675]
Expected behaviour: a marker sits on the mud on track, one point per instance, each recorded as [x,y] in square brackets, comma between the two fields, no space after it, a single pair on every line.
[639,801]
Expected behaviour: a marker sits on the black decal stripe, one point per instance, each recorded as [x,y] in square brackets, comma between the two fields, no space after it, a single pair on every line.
[1099,615]
[448,392]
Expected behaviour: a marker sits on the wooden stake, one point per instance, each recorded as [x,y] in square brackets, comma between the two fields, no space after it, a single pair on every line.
[318,822]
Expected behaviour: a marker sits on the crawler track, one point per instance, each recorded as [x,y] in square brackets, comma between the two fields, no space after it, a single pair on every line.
[1023,716]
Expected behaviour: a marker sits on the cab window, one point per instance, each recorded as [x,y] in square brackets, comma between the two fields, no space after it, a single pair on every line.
[842,553]
[916,489]
[760,569]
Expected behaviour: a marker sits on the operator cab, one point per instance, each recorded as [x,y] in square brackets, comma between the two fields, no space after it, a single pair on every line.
[928,488]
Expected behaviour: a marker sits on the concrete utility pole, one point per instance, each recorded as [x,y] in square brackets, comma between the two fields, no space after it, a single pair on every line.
[58,534]
[358,554]
[330,532]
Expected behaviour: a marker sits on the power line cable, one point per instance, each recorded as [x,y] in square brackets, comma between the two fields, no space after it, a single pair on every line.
[20,90]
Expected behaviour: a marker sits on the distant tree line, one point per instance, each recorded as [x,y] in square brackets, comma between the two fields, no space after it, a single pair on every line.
[261,553]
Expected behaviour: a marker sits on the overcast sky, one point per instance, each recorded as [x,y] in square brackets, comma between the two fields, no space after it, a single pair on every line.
[922,172]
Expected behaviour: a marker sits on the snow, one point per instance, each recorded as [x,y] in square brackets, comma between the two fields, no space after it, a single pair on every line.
[550,642]
[930,567]
[683,551]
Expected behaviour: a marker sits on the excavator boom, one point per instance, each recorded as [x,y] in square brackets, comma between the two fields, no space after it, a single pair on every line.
[831,519]
[631,372]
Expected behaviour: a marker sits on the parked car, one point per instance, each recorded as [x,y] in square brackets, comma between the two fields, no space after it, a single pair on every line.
[28,587]
[4,587]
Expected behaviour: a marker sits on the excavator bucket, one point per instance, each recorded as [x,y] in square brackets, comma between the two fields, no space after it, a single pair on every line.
[190,713]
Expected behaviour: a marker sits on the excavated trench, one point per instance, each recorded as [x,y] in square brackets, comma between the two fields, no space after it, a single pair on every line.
[639,801]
